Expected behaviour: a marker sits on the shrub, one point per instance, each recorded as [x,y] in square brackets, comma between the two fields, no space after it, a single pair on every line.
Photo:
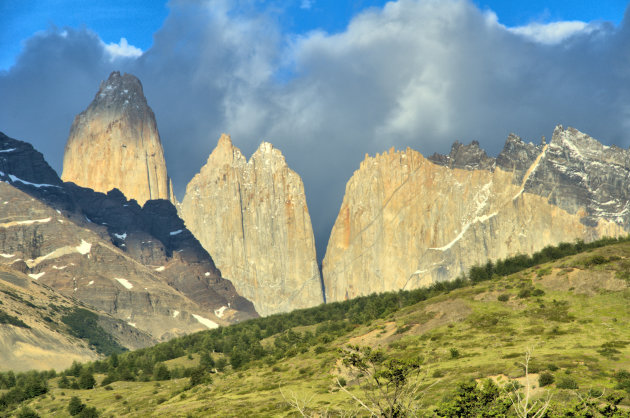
[454,352]
[75,406]
[567,382]
[503,297]
[538,292]
[545,379]
[27,412]
[160,372]
[320,349]
[86,380]
[524,293]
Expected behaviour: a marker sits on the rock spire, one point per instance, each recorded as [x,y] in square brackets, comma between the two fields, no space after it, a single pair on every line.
[253,218]
[115,143]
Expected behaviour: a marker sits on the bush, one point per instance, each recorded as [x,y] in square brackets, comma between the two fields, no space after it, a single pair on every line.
[538,292]
[454,352]
[86,380]
[160,372]
[75,406]
[524,293]
[503,297]
[27,412]
[545,379]
[567,382]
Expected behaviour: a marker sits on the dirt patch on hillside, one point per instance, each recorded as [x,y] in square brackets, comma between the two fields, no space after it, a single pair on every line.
[442,313]
[377,337]
[587,282]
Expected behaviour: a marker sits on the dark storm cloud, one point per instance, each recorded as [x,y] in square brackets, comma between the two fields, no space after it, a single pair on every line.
[417,73]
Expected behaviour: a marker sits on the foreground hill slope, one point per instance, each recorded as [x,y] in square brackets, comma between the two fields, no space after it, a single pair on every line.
[570,312]
[408,221]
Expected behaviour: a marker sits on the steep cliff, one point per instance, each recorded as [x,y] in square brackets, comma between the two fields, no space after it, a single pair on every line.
[115,143]
[406,221]
[252,217]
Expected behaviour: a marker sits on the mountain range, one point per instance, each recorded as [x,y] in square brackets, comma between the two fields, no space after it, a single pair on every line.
[110,236]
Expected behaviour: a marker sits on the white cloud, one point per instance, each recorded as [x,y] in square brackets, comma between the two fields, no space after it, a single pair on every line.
[554,32]
[307,4]
[122,50]
[418,73]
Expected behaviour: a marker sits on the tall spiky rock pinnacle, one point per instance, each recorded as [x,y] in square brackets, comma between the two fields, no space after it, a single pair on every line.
[252,217]
[115,143]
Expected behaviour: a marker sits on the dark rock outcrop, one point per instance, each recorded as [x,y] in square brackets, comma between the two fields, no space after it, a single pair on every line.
[466,157]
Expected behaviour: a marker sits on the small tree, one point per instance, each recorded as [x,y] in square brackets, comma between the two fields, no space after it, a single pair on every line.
[160,372]
[86,380]
[523,405]
[75,406]
[390,385]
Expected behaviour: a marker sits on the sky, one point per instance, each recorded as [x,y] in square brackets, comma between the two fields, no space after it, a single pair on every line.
[325,81]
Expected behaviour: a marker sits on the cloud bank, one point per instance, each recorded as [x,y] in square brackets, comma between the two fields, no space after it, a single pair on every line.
[417,73]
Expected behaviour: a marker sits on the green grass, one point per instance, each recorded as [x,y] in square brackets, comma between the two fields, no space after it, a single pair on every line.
[581,337]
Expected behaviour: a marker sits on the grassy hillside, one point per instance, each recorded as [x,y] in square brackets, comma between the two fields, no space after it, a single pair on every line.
[568,306]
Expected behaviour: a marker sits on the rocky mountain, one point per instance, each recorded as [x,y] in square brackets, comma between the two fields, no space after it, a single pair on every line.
[33,334]
[253,218]
[137,264]
[407,221]
[115,143]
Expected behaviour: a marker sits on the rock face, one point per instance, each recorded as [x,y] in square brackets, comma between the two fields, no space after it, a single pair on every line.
[406,221]
[42,340]
[115,143]
[137,264]
[252,217]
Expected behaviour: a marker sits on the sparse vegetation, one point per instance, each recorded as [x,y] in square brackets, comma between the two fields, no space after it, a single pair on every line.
[84,324]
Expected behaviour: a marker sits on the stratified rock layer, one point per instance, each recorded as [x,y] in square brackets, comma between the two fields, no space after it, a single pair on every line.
[115,143]
[137,264]
[252,217]
[407,222]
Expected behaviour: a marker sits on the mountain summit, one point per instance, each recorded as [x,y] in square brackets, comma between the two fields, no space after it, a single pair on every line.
[115,143]
[253,218]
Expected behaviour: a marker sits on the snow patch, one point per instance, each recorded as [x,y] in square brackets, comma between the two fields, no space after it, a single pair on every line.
[14,179]
[59,268]
[124,282]
[36,275]
[175,314]
[122,236]
[133,324]
[161,268]
[464,229]
[8,150]
[28,222]
[205,321]
[207,273]
[219,312]
[84,247]
[91,283]
[7,255]
[179,231]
